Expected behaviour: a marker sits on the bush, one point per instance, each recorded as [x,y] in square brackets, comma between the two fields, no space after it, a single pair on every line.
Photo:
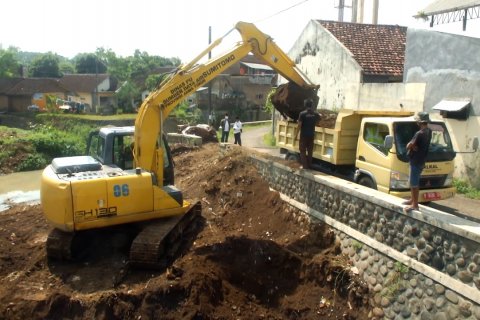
[463,187]
[33,162]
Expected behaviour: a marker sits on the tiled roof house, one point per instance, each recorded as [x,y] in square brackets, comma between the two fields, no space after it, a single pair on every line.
[16,94]
[354,64]
[378,49]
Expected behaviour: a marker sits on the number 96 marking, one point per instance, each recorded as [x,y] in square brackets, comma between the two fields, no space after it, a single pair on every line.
[121,190]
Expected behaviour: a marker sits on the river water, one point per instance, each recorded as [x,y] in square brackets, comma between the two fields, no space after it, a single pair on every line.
[19,187]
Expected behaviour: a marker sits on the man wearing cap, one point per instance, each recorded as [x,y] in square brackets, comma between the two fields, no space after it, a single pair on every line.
[307,120]
[417,150]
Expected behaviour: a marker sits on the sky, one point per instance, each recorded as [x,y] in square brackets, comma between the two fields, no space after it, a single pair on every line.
[179,28]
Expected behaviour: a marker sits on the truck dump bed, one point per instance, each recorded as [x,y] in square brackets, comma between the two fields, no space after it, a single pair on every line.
[336,145]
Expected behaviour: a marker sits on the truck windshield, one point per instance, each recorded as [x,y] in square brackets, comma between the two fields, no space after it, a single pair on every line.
[440,146]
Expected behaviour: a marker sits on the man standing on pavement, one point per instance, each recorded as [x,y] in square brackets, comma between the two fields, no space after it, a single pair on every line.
[225,127]
[306,128]
[237,131]
[417,150]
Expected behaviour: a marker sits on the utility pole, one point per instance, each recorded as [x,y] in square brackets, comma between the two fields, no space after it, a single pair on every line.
[210,83]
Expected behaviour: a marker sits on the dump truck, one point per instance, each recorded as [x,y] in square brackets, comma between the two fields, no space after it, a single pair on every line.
[369,148]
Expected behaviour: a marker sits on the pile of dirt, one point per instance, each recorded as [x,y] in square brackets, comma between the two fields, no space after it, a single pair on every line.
[13,151]
[208,134]
[249,258]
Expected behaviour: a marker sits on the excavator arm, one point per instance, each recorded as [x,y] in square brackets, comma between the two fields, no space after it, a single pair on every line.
[188,78]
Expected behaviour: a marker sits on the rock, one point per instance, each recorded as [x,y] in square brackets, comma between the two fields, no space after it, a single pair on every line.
[465,309]
[413,283]
[408,293]
[465,276]
[473,267]
[460,262]
[451,269]
[425,315]
[405,313]
[378,312]
[441,316]
[385,302]
[451,296]
[440,302]
[421,243]
[412,252]
[439,289]
[419,293]
[429,304]
[383,270]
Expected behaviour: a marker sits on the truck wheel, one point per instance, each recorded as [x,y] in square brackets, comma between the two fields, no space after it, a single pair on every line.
[367,182]
[292,157]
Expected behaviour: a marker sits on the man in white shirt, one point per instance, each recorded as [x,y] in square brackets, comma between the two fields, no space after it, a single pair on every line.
[225,127]
[237,130]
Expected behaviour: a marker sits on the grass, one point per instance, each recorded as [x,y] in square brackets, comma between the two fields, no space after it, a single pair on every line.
[463,187]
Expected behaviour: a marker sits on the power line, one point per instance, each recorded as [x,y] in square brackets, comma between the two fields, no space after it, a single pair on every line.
[281,11]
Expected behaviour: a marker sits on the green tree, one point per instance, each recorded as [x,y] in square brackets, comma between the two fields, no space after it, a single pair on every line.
[154,80]
[89,63]
[126,95]
[66,67]
[9,66]
[45,65]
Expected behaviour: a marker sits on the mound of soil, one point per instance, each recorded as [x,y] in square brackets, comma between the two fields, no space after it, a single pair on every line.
[207,135]
[250,257]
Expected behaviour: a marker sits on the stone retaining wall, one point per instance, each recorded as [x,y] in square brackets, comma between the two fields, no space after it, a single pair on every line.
[420,265]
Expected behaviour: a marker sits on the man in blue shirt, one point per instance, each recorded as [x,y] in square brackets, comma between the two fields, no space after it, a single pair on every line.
[417,150]
[307,120]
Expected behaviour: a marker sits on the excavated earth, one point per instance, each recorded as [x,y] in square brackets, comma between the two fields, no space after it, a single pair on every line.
[248,257]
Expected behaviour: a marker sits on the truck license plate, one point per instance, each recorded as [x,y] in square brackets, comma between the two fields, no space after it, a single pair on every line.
[431,196]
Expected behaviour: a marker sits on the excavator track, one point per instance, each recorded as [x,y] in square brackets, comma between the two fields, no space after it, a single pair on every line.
[59,245]
[160,239]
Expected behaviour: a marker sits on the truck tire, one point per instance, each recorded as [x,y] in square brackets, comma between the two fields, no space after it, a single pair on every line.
[367,182]
[292,157]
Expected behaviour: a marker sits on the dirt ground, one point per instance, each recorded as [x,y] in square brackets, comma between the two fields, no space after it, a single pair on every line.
[248,258]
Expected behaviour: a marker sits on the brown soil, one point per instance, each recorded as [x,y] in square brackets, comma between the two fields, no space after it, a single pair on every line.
[249,258]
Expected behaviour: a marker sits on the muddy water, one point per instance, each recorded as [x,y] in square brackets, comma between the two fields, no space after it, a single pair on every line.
[19,187]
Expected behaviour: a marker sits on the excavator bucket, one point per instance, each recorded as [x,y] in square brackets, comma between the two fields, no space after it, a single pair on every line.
[288,99]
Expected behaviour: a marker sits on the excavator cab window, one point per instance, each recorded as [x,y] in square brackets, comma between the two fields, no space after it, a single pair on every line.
[168,174]
[95,146]
[123,151]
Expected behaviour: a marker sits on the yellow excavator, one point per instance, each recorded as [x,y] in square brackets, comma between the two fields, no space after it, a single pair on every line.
[99,190]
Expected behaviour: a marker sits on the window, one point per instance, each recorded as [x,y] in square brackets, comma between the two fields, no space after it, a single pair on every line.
[96,147]
[374,134]
[123,151]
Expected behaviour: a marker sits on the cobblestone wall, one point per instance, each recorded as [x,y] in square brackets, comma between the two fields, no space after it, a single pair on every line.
[418,265]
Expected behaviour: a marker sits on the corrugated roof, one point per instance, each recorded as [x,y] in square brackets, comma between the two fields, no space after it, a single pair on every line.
[82,82]
[30,86]
[257,66]
[378,49]
[443,6]
[452,105]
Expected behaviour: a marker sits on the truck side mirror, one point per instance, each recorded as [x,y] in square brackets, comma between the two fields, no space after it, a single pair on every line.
[388,142]
[475,144]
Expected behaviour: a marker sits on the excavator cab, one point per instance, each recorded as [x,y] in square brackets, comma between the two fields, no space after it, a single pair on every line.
[115,145]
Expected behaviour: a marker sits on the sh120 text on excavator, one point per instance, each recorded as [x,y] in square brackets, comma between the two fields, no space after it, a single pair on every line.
[85,193]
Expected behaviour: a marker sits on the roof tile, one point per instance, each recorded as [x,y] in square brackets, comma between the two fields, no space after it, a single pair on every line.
[379,49]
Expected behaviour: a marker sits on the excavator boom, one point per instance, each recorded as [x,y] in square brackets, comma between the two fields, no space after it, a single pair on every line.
[160,103]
